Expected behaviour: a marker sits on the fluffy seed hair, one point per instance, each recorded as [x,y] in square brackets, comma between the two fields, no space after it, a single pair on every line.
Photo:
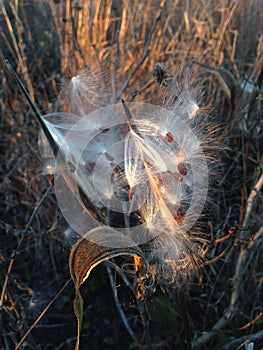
[159,175]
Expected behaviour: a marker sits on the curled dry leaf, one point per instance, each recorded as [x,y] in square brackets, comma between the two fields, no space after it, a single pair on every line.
[225,79]
[86,255]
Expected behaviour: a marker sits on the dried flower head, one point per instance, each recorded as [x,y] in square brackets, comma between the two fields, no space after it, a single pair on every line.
[162,75]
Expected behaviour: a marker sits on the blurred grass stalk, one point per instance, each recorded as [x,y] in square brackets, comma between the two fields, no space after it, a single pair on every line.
[83,32]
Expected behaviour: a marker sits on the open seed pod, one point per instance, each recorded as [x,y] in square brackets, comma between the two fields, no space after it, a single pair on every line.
[86,255]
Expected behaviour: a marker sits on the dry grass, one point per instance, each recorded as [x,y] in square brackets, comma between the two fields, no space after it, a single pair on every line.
[127,38]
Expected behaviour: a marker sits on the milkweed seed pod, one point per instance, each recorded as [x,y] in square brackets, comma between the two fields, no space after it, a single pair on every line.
[58,125]
[81,95]
[139,169]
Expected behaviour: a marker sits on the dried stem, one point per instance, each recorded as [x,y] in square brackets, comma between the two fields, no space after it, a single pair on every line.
[42,314]
[118,305]
[144,56]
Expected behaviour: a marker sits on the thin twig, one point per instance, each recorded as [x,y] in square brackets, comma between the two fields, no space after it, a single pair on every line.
[19,244]
[243,340]
[250,323]
[36,209]
[139,91]
[216,258]
[145,321]
[117,302]
[241,268]
[251,200]
[19,49]
[13,169]
[245,255]
[116,61]
[7,276]
[42,314]
[37,113]
[183,298]
[144,56]
[244,184]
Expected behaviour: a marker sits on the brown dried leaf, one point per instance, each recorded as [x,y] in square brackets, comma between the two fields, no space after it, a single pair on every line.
[86,254]
[226,80]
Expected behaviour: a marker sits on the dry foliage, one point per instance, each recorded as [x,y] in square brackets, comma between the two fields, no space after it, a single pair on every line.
[222,309]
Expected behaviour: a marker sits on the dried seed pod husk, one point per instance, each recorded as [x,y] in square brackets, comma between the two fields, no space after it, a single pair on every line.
[86,255]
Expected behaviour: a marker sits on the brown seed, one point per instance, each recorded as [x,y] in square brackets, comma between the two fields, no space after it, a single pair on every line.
[130,193]
[180,214]
[69,73]
[182,168]
[169,137]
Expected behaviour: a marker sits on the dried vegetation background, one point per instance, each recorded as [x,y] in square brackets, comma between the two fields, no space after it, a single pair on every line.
[223,307]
